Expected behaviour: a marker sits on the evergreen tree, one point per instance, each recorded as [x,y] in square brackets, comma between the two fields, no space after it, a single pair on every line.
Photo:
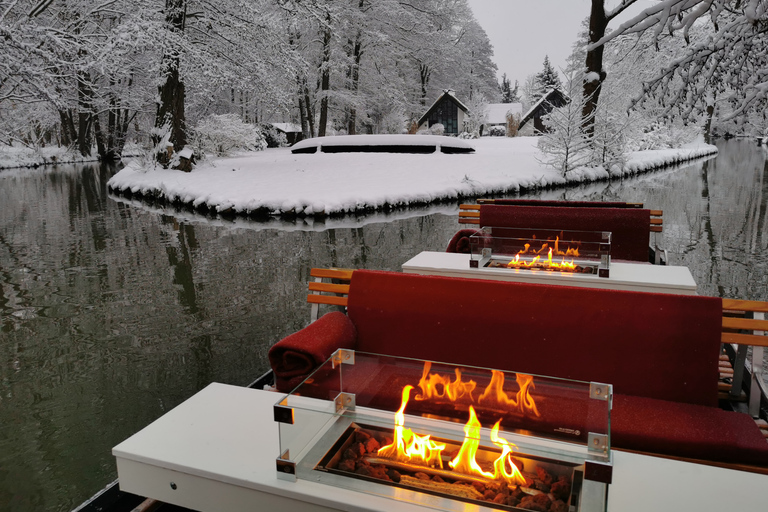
[546,79]
[506,89]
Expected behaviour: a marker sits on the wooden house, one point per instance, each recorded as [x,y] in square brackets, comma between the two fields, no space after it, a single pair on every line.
[496,116]
[446,110]
[292,132]
[531,123]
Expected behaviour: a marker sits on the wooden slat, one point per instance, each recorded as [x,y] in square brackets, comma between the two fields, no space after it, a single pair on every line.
[657,213]
[657,222]
[656,229]
[328,287]
[469,214]
[745,323]
[745,305]
[326,299]
[469,207]
[332,273]
[469,221]
[745,339]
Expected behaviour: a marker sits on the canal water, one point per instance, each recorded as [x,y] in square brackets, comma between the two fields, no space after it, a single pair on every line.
[113,312]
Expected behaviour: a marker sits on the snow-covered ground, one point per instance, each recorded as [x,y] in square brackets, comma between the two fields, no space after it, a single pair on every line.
[275,181]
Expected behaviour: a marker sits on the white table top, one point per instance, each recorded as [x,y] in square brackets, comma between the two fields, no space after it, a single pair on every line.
[227,434]
[623,276]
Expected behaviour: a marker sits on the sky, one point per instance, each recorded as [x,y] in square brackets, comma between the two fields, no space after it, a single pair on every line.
[523,32]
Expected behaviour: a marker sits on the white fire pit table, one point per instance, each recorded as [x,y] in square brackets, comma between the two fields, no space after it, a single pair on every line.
[639,277]
[216,452]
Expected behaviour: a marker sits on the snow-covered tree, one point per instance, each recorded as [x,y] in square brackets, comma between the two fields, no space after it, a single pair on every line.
[724,56]
[529,91]
[508,93]
[546,79]
[564,145]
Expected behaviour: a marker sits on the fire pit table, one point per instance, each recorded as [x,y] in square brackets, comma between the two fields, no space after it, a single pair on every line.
[640,277]
[443,436]
[216,452]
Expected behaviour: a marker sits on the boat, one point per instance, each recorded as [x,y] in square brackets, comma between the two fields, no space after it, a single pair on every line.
[652,457]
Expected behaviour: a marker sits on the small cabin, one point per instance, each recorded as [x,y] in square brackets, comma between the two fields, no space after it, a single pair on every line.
[496,117]
[446,110]
[292,132]
[531,123]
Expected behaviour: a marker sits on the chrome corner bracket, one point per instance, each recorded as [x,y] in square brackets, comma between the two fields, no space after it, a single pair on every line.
[344,401]
[600,391]
[343,356]
[283,413]
[286,468]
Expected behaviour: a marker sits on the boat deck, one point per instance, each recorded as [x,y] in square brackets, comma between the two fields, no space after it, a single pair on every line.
[217,451]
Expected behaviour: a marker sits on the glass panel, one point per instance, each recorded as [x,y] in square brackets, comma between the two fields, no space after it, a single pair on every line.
[550,250]
[442,435]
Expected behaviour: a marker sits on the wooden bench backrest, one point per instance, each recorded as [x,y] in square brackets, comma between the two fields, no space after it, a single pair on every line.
[330,286]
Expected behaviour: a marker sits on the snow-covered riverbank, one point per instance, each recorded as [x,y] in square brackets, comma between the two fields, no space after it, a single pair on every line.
[13,157]
[276,182]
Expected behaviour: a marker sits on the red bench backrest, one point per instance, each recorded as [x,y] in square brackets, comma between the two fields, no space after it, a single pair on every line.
[630,227]
[654,345]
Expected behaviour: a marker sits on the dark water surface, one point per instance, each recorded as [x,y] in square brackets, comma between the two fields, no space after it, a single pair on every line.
[112,313]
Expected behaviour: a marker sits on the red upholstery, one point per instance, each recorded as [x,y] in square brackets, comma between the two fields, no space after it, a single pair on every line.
[659,351]
[656,345]
[686,430]
[629,226]
[567,204]
[294,357]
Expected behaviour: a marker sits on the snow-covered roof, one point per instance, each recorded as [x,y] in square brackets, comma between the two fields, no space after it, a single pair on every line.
[389,143]
[497,112]
[543,99]
[287,127]
[451,95]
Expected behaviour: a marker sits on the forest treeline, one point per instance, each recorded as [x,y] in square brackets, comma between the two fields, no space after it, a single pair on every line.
[87,74]
[90,75]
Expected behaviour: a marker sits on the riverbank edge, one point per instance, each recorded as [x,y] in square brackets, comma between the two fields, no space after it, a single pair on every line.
[636,164]
[27,158]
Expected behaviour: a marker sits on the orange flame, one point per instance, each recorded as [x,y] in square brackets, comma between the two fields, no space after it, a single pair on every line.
[513,476]
[523,401]
[466,461]
[452,390]
[563,265]
[408,446]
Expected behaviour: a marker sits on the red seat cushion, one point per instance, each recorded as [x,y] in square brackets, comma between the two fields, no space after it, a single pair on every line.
[630,227]
[686,430]
[658,345]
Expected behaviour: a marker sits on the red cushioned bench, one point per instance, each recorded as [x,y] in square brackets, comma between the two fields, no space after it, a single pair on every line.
[659,351]
[629,224]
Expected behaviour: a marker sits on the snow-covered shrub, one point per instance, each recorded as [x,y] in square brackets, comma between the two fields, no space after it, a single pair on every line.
[393,122]
[663,135]
[273,137]
[497,131]
[224,134]
[468,135]
[437,129]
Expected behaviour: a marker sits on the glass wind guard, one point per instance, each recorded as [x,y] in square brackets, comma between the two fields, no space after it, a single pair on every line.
[547,250]
[442,435]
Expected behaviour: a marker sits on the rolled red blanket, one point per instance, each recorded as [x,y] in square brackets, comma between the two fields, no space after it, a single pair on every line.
[296,356]
[460,241]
